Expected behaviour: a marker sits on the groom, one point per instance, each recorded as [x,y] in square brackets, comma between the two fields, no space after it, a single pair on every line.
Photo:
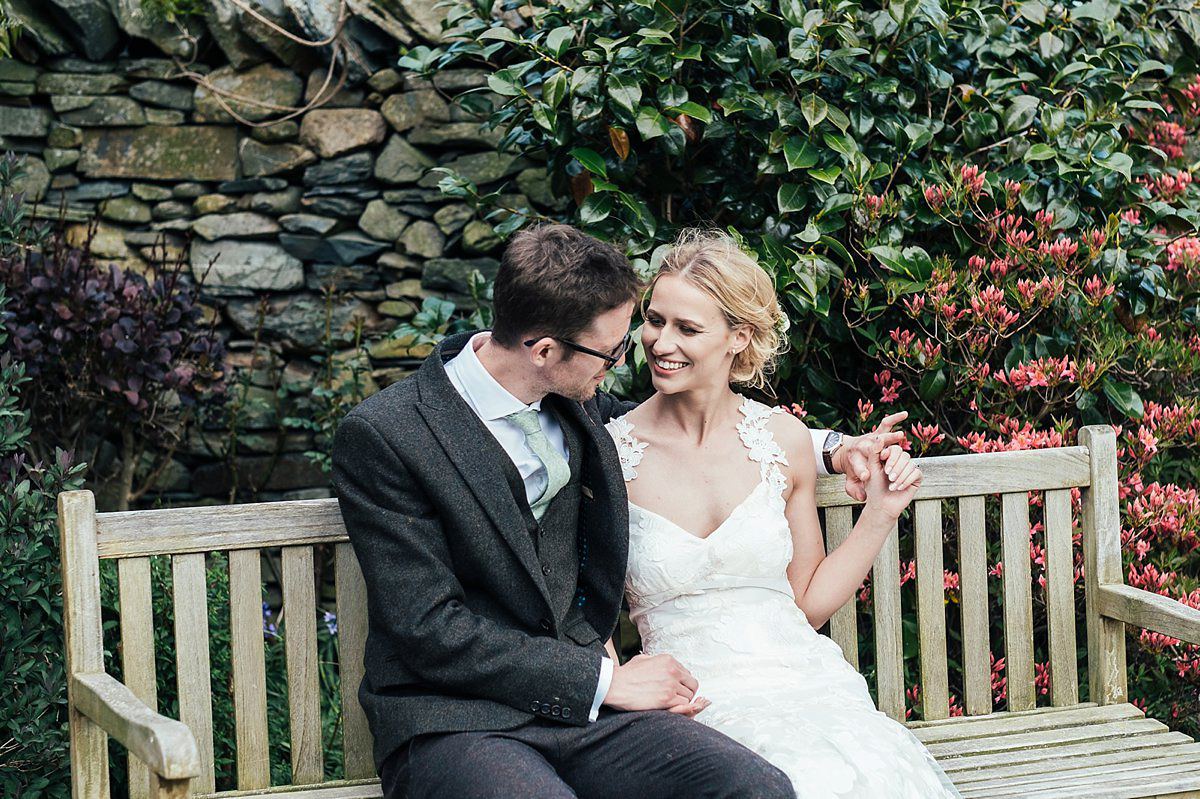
[485,503]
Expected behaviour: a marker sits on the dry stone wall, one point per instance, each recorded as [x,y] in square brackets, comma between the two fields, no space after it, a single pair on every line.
[331,212]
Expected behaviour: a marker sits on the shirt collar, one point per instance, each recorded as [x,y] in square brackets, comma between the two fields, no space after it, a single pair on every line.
[490,399]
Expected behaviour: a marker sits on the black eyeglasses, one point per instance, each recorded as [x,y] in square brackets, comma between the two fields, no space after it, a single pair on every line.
[610,359]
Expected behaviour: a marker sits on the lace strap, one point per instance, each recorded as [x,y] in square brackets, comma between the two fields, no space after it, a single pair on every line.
[629,449]
[758,439]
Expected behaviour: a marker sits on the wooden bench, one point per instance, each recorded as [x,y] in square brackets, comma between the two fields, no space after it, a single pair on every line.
[1105,747]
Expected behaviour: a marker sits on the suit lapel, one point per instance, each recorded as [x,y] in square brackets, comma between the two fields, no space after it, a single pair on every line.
[475,454]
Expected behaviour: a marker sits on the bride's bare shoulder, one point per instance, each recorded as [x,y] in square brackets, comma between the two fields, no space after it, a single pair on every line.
[794,438]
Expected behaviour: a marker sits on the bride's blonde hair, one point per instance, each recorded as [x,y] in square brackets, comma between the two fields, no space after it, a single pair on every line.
[712,262]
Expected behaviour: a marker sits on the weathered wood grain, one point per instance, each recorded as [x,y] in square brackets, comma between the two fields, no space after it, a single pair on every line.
[300,646]
[137,652]
[83,638]
[981,474]
[249,669]
[1102,566]
[973,602]
[192,659]
[1060,599]
[352,642]
[889,642]
[931,609]
[843,625]
[253,526]
[1018,602]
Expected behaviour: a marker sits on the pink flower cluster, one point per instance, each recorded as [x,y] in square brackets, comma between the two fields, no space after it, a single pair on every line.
[1168,186]
[1183,254]
[1039,373]
[1012,435]
[1170,137]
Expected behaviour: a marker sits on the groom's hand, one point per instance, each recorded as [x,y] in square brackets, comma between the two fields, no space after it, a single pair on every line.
[854,457]
[652,682]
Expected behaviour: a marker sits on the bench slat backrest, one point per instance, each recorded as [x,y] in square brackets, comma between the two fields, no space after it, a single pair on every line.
[960,498]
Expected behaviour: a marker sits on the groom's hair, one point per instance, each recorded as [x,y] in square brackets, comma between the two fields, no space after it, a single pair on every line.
[554,280]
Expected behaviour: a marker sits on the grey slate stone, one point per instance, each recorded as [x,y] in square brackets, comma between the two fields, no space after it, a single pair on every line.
[161,153]
[148,191]
[35,182]
[97,190]
[245,265]
[456,134]
[10,88]
[153,68]
[452,274]
[332,206]
[14,70]
[342,249]
[274,202]
[347,169]
[106,112]
[333,131]
[164,116]
[90,24]
[265,83]
[57,158]
[260,159]
[409,109]
[125,209]
[237,225]
[68,83]
[162,94]
[356,192]
[189,190]
[248,185]
[451,218]
[308,223]
[24,121]
[171,210]
[422,238]
[382,221]
[279,131]
[360,277]
[400,162]
[64,136]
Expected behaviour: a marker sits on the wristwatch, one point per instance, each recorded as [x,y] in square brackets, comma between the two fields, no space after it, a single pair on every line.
[833,442]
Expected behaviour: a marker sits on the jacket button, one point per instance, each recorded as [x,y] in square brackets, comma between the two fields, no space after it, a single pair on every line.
[566,712]
[534,705]
[546,570]
[546,625]
[555,710]
[545,709]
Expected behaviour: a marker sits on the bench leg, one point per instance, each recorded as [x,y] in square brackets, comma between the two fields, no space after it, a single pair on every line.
[168,789]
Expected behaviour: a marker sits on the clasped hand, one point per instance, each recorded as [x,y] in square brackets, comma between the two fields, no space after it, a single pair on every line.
[654,682]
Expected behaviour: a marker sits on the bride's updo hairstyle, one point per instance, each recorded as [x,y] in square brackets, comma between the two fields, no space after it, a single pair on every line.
[712,262]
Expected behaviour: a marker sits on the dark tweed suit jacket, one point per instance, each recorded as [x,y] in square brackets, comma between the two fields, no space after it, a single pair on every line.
[463,633]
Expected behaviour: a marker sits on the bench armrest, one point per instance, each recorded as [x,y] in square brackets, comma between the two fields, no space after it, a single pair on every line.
[1150,611]
[165,745]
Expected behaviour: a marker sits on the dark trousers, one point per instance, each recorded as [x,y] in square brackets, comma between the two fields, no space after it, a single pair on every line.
[647,755]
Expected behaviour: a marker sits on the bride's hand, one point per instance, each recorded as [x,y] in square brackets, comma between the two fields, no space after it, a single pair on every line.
[893,481]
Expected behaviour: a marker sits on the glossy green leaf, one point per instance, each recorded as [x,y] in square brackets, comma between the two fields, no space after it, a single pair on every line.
[814,109]
[1040,152]
[791,197]
[650,123]
[694,110]
[1020,113]
[559,40]
[799,153]
[625,92]
[1124,398]
[596,208]
[1117,162]
[827,174]
[591,160]
[555,89]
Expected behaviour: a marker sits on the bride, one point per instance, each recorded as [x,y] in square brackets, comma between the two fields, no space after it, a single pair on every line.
[727,570]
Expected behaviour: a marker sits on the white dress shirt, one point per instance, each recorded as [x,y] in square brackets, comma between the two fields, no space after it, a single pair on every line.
[492,402]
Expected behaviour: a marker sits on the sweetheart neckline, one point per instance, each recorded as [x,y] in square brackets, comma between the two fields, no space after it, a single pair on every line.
[728,517]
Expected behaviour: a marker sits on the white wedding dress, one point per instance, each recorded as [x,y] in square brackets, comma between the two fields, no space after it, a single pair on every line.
[723,607]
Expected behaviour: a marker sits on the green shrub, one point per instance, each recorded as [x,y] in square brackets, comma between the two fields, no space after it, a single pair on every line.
[980,212]
[33,692]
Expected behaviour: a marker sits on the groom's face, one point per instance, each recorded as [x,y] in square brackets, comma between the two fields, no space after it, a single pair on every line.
[577,377]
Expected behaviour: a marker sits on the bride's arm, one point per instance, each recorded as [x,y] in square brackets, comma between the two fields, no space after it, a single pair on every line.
[822,584]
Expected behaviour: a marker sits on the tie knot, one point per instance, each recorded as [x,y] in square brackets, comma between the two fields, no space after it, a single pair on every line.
[526,421]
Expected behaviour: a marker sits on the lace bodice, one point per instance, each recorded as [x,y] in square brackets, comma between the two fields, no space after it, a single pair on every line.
[751,547]
[722,605]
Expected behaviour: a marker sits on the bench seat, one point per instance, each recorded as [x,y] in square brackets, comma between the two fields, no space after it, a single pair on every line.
[972,512]
[1109,752]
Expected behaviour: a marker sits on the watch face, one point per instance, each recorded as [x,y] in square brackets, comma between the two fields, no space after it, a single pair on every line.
[832,440]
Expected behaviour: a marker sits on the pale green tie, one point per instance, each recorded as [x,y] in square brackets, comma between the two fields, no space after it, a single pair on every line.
[557,470]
